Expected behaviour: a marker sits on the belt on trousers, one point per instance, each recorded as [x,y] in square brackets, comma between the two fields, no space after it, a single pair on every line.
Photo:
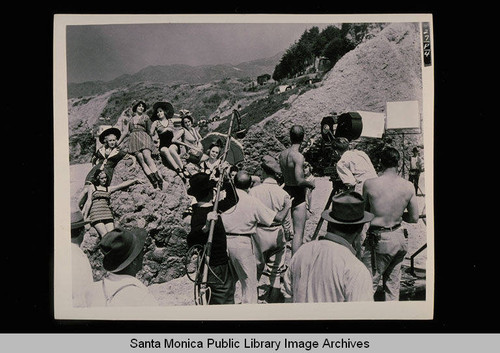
[240,234]
[384,229]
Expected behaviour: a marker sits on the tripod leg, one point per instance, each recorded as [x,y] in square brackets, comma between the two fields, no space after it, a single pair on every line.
[327,206]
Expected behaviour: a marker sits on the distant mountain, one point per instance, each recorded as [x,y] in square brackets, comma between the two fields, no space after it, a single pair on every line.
[178,74]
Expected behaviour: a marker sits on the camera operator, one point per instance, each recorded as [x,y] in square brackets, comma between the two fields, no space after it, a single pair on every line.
[354,166]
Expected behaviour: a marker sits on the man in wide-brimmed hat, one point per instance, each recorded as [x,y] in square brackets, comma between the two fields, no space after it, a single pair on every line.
[327,270]
[81,270]
[123,251]
[271,241]
[220,280]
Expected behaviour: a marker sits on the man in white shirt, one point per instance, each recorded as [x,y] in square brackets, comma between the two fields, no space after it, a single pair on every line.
[327,270]
[354,167]
[240,223]
[123,251]
[81,277]
[270,239]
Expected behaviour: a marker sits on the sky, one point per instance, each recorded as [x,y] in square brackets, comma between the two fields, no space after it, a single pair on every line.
[106,51]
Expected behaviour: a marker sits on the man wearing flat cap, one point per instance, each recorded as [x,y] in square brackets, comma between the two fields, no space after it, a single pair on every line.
[81,278]
[270,240]
[327,270]
[123,251]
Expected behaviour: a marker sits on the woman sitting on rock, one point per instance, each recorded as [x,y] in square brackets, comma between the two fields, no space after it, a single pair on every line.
[212,164]
[141,143]
[163,126]
[190,137]
[97,209]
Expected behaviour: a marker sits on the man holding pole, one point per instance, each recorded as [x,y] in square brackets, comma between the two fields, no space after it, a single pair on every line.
[219,279]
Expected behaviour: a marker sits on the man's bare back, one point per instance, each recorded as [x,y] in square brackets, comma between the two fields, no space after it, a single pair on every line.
[291,162]
[388,196]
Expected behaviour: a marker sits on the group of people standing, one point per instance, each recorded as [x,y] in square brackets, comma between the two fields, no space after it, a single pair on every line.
[253,222]
[365,242]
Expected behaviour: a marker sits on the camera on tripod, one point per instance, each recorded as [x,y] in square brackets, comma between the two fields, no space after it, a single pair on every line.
[336,133]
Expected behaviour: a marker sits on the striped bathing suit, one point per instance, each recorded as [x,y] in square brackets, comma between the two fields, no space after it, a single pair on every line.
[100,211]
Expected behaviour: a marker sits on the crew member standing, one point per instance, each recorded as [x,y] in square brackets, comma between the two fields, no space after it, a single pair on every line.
[270,240]
[292,168]
[354,166]
[240,223]
[388,197]
[327,270]
[416,167]
[219,279]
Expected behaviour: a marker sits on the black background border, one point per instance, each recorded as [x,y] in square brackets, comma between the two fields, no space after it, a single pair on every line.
[464,290]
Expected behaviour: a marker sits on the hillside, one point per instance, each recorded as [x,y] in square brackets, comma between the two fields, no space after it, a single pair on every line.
[177,75]
[384,68]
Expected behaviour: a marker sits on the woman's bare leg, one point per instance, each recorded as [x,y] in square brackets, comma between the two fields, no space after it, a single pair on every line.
[144,166]
[170,159]
[149,160]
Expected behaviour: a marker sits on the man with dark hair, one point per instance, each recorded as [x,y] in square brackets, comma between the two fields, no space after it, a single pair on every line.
[123,253]
[392,200]
[327,270]
[82,277]
[270,239]
[240,223]
[292,168]
[220,280]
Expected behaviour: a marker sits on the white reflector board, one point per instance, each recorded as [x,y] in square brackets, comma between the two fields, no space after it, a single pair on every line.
[403,115]
[373,124]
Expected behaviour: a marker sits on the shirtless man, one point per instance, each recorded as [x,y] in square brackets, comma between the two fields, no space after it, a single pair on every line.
[292,168]
[392,200]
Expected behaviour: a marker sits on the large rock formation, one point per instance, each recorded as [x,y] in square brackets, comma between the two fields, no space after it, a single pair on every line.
[160,212]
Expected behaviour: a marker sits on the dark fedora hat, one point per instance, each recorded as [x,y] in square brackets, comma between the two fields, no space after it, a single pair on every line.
[348,207]
[200,185]
[109,131]
[77,220]
[269,164]
[121,246]
[167,107]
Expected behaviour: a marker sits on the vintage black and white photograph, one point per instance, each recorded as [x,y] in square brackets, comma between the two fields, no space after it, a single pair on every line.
[248,167]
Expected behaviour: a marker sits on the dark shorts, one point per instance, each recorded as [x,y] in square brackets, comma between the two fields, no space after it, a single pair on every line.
[297,192]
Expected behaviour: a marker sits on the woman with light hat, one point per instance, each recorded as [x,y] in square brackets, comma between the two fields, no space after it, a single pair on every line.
[105,158]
